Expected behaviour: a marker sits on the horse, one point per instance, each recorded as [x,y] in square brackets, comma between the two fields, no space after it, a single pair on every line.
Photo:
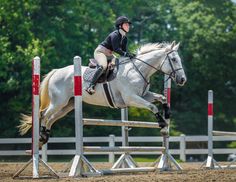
[130,87]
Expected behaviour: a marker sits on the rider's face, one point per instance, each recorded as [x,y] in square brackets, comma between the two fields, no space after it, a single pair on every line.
[125,26]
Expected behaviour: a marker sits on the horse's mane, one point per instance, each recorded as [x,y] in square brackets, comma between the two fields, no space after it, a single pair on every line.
[151,47]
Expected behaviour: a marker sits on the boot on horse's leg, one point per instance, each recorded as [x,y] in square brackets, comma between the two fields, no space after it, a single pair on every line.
[98,73]
[167,112]
[161,121]
[44,136]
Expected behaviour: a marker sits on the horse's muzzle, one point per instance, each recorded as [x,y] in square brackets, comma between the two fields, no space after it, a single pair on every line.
[181,80]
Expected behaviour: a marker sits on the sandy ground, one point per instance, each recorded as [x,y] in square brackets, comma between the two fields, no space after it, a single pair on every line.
[191,172]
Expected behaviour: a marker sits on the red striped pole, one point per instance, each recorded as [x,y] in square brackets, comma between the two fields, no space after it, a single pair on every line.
[210,123]
[76,168]
[167,89]
[165,161]
[35,115]
[78,105]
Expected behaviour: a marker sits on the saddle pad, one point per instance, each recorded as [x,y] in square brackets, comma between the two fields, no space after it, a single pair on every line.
[108,76]
[88,74]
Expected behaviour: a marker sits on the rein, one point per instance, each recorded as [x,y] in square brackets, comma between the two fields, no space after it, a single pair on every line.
[171,75]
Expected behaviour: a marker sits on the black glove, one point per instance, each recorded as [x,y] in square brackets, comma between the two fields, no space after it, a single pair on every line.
[130,55]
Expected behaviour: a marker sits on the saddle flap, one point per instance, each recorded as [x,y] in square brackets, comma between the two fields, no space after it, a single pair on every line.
[108,75]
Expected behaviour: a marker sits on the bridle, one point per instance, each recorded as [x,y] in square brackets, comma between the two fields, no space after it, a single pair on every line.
[172,74]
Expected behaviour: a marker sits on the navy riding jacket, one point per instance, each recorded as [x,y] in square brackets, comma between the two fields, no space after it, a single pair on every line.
[115,42]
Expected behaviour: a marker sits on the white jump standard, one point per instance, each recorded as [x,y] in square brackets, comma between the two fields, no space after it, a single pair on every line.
[166,158]
[80,165]
[211,162]
[35,125]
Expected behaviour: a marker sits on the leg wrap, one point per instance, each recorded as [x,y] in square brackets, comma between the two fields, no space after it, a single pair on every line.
[161,121]
[44,134]
[167,111]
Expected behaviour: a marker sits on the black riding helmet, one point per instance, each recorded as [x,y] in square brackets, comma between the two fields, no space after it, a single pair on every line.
[120,20]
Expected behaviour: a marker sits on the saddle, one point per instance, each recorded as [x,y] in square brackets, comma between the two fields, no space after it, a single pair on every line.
[108,75]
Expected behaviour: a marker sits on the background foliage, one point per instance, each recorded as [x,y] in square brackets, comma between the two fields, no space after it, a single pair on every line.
[57,30]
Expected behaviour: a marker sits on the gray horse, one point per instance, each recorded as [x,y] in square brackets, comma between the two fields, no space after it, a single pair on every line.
[129,88]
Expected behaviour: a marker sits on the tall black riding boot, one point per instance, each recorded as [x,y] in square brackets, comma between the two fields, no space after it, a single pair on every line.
[98,73]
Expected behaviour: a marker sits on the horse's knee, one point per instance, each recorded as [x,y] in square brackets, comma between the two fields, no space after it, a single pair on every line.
[162,99]
[153,108]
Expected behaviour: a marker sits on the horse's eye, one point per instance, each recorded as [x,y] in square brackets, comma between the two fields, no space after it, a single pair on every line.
[174,59]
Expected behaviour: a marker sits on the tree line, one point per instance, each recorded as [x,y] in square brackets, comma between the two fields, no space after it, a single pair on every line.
[57,30]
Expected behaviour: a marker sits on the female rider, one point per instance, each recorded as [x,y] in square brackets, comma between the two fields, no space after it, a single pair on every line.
[114,42]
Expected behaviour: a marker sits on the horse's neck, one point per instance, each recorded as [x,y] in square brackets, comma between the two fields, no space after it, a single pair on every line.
[152,59]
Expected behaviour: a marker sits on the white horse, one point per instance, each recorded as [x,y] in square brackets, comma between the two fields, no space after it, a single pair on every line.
[129,88]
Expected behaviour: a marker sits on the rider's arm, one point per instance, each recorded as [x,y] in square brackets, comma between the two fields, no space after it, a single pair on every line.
[115,41]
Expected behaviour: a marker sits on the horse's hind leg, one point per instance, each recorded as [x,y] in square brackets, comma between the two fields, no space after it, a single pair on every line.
[51,110]
[45,115]
[45,130]
[69,107]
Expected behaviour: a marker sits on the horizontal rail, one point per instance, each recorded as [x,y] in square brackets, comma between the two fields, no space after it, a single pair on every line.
[223,133]
[102,122]
[123,149]
[72,152]
[128,170]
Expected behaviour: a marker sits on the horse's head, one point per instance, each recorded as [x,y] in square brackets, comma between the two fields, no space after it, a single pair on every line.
[172,64]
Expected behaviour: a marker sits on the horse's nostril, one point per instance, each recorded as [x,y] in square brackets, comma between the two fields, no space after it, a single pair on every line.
[182,80]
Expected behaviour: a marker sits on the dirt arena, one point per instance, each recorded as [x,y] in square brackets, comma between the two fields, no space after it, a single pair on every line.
[190,173]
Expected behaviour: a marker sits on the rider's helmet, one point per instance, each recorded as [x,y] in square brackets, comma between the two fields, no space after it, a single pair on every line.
[120,20]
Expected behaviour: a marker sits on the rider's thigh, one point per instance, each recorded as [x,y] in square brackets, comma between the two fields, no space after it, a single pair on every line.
[101,59]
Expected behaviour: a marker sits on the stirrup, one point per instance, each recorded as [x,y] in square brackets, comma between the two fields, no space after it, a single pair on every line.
[90,90]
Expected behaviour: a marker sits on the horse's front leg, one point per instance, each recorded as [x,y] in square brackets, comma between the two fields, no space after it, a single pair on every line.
[137,101]
[154,97]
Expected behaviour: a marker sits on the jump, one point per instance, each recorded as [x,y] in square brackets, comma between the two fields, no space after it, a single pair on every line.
[129,86]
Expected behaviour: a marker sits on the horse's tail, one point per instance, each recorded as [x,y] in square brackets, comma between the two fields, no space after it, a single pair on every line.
[26,120]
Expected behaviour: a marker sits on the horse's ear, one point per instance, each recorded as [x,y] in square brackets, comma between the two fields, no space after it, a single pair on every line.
[172,45]
[176,47]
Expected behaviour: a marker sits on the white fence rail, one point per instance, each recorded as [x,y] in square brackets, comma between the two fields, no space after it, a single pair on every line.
[182,151]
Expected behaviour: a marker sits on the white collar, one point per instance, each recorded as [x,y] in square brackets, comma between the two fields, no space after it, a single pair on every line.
[122,32]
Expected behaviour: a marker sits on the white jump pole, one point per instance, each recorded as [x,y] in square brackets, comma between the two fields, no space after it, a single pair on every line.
[125,129]
[35,124]
[80,163]
[210,128]
[35,115]
[210,162]
[166,158]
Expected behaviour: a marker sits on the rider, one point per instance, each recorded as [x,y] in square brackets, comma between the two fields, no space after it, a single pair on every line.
[114,42]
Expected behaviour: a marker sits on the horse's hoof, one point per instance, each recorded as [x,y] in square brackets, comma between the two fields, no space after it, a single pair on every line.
[162,124]
[40,145]
[164,131]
